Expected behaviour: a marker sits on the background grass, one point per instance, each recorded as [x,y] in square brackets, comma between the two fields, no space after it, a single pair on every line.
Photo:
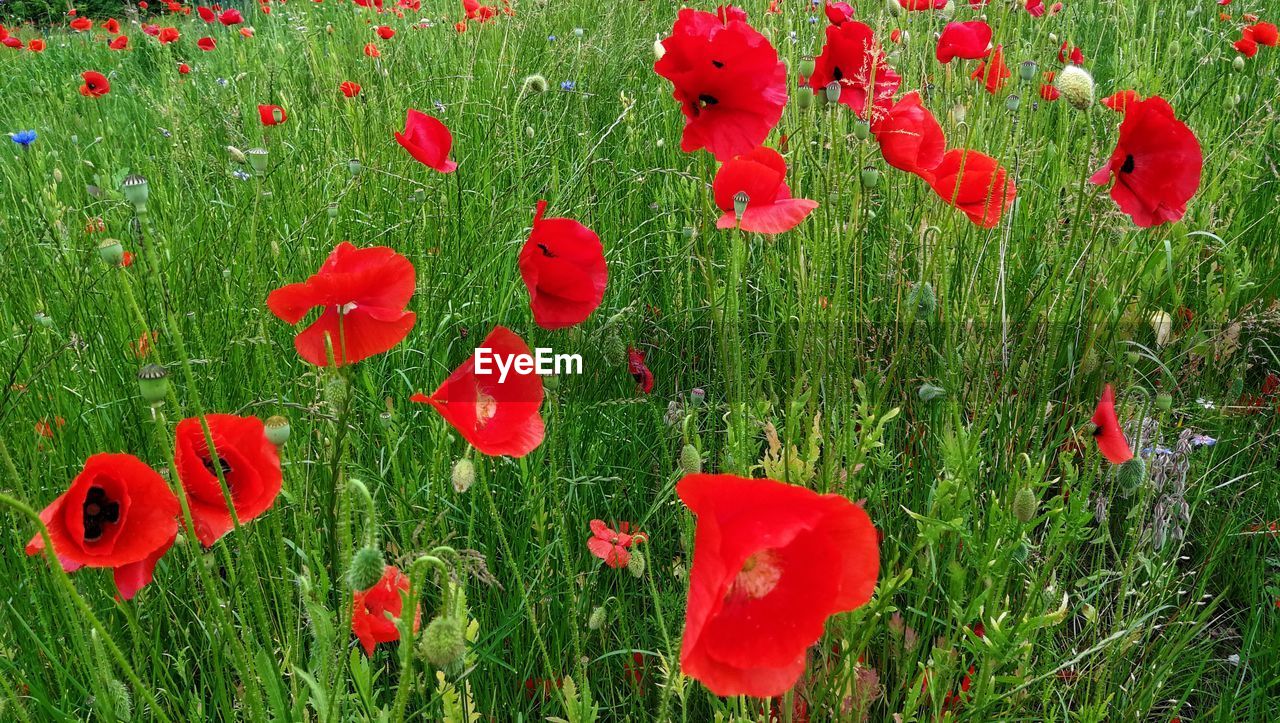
[818,334]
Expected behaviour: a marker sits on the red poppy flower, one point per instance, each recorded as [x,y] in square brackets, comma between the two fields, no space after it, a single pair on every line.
[992,71]
[761,176]
[81,24]
[36,45]
[475,11]
[460,26]
[371,50]
[95,84]
[427,140]
[838,13]
[922,4]
[270,115]
[1119,101]
[1264,34]
[1156,164]
[1048,90]
[910,137]
[12,42]
[771,563]
[562,264]
[120,42]
[231,17]
[363,294]
[207,44]
[609,545]
[497,417]
[1076,56]
[151,29]
[848,57]
[369,610]
[117,513]
[183,69]
[250,465]
[112,26]
[971,41]
[1035,7]
[1246,45]
[1111,441]
[639,370]
[384,32]
[171,35]
[206,14]
[974,183]
[728,79]
[246,32]
[349,88]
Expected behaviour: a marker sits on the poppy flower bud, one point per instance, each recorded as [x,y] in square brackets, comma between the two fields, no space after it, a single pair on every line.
[615,350]
[277,430]
[697,396]
[659,49]
[807,66]
[118,699]
[1238,63]
[366,568]
[1024,505]
[335,392]
[1013,102]
[136,191]
[577,32]
[111,251]
[804,99]
[740,201]
[635,565]
[257,158]
[1027,71]
[1164,401]
[237,155]
[870,177]
[534,84]
[958,113]
[43,319]
[1076,86]
[444,641]
[832,91]
[861,130]
[153,382]
[354,166]
[929,392]
[1131,475]
[923,298]
[690,460]
[464,475]
[597,619]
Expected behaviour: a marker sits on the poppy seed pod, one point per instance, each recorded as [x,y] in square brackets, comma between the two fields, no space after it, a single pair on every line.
[153,382]
[1076,85]
[277,430]
[332,210]
[597,619]
[690,460]
[740,201]
[366,568]
[698,396]
[1024,505]
[1027,70]
[111,251]
[807,65]
[355,167]
[861,130]
[804,99]
[870,177]
[257,158]
[832,91]
[136,191]
[464,475]
[635,565]
[1131,475]
[1164,401]
[444,641]
[1013,102]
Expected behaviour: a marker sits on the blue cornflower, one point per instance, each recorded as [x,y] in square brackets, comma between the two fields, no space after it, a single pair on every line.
[241,175]
[551,38]
[568,86]
[23,138]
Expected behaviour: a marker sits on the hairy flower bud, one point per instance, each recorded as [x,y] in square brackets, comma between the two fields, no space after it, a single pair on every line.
[366,568]
[464,475]
[690,460]
[443,641]
[1076,86]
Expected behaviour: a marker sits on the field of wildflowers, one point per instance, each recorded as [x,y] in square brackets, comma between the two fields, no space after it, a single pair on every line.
[926,357]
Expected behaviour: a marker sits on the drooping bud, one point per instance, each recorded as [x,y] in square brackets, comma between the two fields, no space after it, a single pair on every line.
[1024,505]
[659,49]
[690,460]
[1131,475]
[635,565]
[366,568]
[615,351]
[111,251]
[119,700]
[923,298]
[136,191]
[443,641]
[277,430]
[597,619]
[153,382]
[1238,63]
[534,84]
[464,475]
[1076,86]
[236,155]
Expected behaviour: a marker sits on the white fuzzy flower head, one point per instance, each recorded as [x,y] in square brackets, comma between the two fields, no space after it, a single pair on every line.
[658,50]
[1076,86]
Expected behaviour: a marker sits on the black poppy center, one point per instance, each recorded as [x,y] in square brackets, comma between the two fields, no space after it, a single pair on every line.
[707,100]
[1128,164]
[836,73]
[222,463]
[99,511]
[717,63]
[546,251]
